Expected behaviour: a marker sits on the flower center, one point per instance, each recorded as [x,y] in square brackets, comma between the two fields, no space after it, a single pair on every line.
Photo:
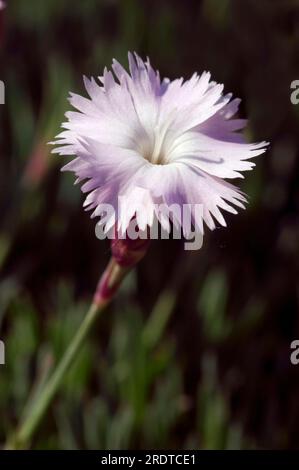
[152,147]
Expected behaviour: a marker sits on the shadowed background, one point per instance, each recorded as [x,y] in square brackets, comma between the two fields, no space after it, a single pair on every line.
[194,352]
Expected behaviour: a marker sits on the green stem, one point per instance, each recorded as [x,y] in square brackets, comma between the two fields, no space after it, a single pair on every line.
[27,428]
[110,280]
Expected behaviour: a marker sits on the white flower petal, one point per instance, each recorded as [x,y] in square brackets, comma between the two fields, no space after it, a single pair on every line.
[152,141]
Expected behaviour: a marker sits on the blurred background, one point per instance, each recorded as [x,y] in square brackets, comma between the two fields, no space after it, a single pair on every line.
[195,350]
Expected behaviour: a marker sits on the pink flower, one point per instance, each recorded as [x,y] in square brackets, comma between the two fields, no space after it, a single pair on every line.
[154,141]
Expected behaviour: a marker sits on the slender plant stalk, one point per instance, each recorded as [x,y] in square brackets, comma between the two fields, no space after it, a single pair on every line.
[106,288]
